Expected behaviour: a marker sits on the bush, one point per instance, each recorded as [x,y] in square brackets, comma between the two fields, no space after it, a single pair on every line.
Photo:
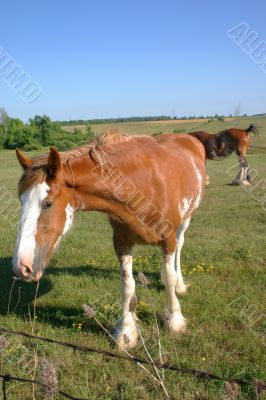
[32,146]
[64,145]
[20,135]
[89,132]
[179,130]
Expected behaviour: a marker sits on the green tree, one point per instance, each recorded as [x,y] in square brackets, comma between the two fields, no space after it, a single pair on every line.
[4,122]
[45,127]
[21,135]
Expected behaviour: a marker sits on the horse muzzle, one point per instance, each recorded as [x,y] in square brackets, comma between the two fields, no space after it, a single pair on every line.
[26,274]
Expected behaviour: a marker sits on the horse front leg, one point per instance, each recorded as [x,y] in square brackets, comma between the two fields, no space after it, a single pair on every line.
[173,317]
[126,332]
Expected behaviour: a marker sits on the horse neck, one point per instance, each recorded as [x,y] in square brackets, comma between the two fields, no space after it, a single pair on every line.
[91,187]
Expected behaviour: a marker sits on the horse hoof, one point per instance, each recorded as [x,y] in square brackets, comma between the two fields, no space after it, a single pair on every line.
[175,322]
[126,332]
[244,183]
[126,339]
[181,289]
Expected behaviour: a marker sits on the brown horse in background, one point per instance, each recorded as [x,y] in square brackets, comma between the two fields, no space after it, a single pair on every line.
[149,191]
[223,144]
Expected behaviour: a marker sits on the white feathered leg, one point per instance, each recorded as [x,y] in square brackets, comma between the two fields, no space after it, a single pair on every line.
[126,332]
[173,317]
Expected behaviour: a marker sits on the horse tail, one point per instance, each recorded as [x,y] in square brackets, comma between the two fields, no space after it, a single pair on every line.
[252,129]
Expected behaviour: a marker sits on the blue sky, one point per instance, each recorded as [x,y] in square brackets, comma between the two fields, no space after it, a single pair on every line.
[97,59]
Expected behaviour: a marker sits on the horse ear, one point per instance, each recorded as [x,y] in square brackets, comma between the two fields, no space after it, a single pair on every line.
[54,163]
[24,161]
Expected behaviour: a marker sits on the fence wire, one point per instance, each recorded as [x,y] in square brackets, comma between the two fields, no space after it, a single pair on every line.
[261,386]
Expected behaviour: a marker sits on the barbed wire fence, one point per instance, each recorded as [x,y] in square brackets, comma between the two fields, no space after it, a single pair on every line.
[259,386]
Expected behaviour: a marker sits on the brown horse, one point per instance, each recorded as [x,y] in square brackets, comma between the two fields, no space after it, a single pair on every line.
[223,144]
[149,191]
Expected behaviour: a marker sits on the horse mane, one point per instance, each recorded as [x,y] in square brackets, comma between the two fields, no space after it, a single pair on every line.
[97,149]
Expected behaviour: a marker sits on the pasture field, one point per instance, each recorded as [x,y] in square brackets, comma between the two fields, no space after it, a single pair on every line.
[151,127]
[223,260]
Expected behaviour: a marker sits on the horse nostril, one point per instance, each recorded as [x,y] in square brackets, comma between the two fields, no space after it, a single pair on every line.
[25,271]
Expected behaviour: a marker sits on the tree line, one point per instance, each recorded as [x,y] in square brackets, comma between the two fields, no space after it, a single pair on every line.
[132,119]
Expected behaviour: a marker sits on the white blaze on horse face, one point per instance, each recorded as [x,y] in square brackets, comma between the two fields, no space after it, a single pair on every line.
[31,202]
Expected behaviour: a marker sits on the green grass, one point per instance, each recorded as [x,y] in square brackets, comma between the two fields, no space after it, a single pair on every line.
[223,260]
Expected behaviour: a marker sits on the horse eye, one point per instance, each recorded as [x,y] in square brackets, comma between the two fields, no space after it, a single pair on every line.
[47,204]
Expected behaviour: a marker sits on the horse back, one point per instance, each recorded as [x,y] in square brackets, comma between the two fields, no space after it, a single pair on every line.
[183,142]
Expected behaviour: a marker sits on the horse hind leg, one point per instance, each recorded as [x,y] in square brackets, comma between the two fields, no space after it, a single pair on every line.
[207,181]
[181,287]
[242,178]
[247,177]
[173,318]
